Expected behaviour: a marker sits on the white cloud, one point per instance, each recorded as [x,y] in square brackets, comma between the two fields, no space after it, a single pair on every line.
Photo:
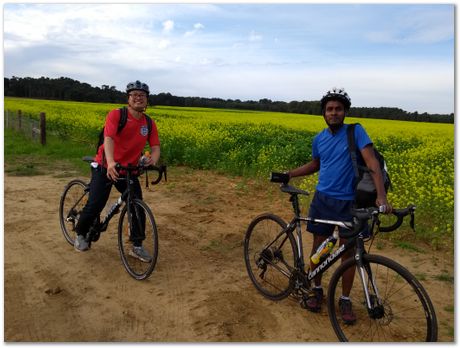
[253,36]
[168,26]
[416,26]
[72,26]
[404,86]
[164,44]
[296,62]
[196,27]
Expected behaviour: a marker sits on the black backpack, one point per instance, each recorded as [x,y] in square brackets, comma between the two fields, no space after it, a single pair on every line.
[366,193]
[121,125]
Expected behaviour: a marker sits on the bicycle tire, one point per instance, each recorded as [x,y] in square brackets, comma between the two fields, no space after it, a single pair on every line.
[136,268]
[405,314]
[270,269]
[73,199]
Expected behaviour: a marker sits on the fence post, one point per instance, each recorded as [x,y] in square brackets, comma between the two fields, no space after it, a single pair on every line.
[42,128]
[19,119]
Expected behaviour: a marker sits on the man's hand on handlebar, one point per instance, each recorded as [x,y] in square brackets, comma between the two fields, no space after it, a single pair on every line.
[112,172]
[384,206]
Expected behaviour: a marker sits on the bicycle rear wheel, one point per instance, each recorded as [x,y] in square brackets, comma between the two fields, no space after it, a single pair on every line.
[270,256]
[401,309]
[140,219]
[73,199]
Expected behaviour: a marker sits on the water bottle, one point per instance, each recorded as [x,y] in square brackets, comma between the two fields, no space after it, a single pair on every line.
[325,248]
[145,158]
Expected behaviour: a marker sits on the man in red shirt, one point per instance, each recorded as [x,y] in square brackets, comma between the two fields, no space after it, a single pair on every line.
[123,147]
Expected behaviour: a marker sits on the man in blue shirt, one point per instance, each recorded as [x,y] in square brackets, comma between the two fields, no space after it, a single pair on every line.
[335,191]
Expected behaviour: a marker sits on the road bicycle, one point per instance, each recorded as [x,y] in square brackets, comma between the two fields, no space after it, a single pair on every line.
[135,214]
[389,302]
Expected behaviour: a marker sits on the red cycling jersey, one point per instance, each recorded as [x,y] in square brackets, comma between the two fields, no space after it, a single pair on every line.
[129,143]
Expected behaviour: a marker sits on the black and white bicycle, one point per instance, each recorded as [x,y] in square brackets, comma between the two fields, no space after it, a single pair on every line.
[389,302]
[135,214]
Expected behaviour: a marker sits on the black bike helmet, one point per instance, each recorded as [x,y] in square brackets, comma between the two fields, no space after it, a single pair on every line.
[137,86]
[336,94]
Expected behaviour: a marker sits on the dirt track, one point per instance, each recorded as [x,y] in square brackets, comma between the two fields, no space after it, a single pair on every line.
[199,291]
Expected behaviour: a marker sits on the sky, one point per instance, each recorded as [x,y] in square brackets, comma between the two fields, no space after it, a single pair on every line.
[393,55]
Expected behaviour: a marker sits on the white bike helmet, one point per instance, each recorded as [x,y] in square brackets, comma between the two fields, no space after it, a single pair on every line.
[336,94]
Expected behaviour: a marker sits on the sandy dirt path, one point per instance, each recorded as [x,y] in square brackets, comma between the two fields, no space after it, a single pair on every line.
[199,291]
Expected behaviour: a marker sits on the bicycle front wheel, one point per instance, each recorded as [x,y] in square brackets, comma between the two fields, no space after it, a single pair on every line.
[270,255]
[139,224]
[400,309]
[73,199]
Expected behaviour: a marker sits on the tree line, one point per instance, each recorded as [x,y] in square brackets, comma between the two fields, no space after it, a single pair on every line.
[65,88]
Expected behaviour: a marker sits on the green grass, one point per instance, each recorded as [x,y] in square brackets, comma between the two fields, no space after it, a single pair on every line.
[407,246]
[26,157]
[450,331]
[420,276]
[445,277]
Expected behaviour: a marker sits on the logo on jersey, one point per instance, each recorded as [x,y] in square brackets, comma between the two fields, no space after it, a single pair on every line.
[144,131]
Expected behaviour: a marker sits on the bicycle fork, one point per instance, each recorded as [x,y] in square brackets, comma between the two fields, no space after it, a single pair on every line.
[374,303]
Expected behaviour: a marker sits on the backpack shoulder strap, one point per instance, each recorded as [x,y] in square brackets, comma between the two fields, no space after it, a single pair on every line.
[149,124]
[352,147]
[123,119]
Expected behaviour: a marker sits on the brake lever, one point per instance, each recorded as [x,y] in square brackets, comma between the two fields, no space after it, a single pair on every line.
[412,220]
[165,171]
[161,170]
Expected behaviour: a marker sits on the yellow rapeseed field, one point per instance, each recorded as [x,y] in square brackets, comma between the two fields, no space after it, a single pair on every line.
[420,156]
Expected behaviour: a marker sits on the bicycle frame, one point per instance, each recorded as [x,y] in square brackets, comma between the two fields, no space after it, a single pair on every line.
[113,210]
[356,242]
[125,197]
[388,296]
[101,226]
[295,225]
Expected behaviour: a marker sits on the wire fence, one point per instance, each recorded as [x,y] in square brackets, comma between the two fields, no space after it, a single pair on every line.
[29,125]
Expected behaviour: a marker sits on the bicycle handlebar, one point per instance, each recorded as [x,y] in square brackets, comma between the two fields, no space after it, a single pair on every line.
[400,214]
[361,215]
[162,170]
[372,213]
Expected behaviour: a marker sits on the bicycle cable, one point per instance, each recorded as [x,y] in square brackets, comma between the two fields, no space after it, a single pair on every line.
[372,234]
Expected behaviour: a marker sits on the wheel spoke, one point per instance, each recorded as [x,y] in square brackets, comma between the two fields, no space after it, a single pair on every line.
[402,299]
[139,224]
[73,200]
[269,255]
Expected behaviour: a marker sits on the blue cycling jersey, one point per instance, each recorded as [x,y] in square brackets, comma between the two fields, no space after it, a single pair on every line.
[336,173]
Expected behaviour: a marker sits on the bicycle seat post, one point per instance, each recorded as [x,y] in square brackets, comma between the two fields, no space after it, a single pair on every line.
[294,199]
